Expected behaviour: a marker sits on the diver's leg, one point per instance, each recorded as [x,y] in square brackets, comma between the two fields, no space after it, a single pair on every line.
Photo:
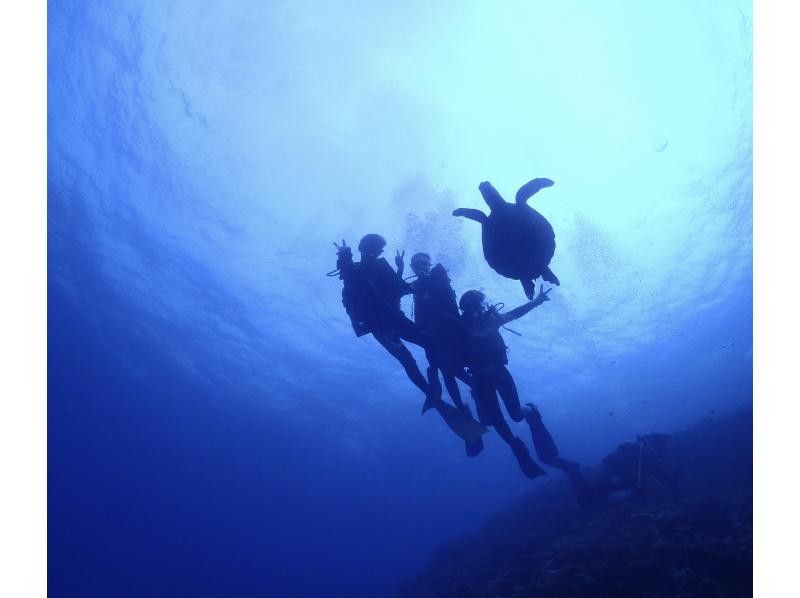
[463,375]
[433,376]
[542,440]
[528,466]
[508,391]
[409,331]
[452,388]
[548,453]
[489,414]
[434,386]
[473,447]
[392,343]
[484,394]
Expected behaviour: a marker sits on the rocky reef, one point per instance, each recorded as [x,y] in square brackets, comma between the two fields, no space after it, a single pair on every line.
[693,538]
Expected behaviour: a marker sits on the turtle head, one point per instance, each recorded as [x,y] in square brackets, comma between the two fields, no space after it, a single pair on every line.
[490,195]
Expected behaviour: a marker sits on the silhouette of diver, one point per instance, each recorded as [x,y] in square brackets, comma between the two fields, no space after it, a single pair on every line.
[371,297]
[436,315]
[485,355]
[628,469]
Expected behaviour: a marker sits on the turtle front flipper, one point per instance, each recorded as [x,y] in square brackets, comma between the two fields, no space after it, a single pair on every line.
[491,196]
[530,288]
[547,275]
[475,215]
[532,187]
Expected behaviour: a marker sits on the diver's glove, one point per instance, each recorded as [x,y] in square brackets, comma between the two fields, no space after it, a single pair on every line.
[542,296]
[343,248]
[344,255]
[398,261]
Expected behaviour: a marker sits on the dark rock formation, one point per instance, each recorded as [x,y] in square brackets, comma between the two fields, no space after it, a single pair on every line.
[691,540]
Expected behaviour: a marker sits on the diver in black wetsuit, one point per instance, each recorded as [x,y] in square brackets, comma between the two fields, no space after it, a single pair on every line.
[371,296]
[485,355]
[627,471]
[436,315]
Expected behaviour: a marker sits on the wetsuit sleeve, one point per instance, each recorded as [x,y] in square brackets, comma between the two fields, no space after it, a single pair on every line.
[517,312]
[391,281]
[439,274]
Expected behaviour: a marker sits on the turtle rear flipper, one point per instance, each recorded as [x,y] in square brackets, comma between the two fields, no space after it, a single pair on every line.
[547,275]
[532,187]
[530,288]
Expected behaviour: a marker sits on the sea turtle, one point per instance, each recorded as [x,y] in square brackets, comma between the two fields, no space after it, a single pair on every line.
[518,242]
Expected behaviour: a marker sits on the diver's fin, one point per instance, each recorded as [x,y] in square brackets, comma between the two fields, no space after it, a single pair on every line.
[542,440]
[475,215]
[459,422]
[472,447]
[531,188]
[528,466]
[529,287]
[548,454]
[548,276]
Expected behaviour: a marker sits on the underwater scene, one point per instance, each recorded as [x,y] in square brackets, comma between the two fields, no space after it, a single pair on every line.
[399,298]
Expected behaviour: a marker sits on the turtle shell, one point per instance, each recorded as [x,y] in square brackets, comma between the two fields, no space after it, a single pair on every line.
[518,242]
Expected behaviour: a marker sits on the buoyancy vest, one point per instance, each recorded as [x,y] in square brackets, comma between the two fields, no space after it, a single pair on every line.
[434,301]
[483,344]
[371,292]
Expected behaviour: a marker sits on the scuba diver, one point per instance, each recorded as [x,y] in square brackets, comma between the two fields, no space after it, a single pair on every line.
[485,355]
[436,315]
[371,297]
[625,472]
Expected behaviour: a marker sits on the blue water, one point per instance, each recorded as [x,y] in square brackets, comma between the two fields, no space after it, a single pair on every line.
[214,426]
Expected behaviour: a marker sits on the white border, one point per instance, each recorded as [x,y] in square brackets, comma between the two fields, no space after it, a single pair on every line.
[776,194]
[23,255]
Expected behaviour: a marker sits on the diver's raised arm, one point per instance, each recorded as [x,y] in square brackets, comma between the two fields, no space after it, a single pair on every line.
[344,257]
[520,311]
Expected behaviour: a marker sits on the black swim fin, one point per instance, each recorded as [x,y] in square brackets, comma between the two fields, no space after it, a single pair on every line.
[472,447]
[548,454]
[542,440]
[458,421]
[528,466]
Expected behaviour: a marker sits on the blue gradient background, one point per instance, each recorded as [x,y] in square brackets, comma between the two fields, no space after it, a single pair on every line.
[215,428]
